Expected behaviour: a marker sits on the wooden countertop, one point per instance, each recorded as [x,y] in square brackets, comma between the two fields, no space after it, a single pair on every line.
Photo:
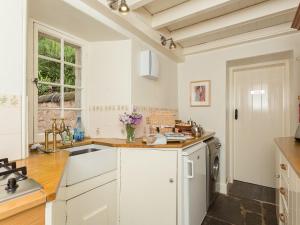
[18,205]
[121,143]
[291,150]
[48,169]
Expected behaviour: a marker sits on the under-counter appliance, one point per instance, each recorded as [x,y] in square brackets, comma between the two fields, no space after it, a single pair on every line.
[14,182]
[212,169]
[194,184]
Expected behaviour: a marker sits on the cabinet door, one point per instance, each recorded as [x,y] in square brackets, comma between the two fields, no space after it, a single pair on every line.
[148,187]
[298,201]
[96,207]
[277,182]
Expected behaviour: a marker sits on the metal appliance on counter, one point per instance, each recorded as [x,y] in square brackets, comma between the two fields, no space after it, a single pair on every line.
[212,169]
[14,182]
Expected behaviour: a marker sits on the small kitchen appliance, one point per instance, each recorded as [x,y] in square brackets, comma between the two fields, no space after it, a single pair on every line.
[14,182]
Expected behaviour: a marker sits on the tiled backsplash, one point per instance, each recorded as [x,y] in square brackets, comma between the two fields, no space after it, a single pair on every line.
[9,100]
[104,119]
[10,126]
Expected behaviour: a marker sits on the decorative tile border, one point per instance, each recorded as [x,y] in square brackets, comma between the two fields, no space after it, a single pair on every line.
[127,108]
[9,100]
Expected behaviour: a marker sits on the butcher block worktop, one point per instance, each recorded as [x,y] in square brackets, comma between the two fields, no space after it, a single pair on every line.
[121,143]
[48,169]
[291,150]
[19,205]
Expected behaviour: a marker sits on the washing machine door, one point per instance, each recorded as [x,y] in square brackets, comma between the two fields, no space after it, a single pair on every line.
[215,168]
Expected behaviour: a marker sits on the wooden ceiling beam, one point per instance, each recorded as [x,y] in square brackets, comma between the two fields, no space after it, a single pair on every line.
[187,10]
[252,14]
[296,22]
[135,4]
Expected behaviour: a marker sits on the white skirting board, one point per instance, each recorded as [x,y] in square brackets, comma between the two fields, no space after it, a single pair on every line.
[222,188]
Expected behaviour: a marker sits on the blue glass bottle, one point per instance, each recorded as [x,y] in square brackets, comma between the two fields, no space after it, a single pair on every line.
[78,130]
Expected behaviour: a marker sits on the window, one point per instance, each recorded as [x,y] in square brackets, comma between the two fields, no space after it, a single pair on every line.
[58,76]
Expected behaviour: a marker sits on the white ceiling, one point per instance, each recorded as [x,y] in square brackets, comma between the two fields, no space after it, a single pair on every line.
[196,22]
[58,14]
[161,5]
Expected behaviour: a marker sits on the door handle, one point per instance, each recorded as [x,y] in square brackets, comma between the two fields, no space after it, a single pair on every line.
[190,172]
[236,114]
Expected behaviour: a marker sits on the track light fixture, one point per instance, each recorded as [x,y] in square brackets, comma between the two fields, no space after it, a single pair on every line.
[121,6]
[164,42]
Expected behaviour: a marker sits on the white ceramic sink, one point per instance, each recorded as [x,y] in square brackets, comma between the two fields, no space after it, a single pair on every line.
[89,161]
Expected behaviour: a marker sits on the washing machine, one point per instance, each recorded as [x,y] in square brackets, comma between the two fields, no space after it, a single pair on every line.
[212,169]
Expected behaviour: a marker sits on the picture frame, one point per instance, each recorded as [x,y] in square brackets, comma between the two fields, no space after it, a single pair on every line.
[200,93]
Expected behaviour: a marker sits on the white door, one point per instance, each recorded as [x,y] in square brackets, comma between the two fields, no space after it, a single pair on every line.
[148,187]
[259,94]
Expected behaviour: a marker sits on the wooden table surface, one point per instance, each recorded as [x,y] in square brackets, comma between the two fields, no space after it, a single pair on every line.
[291,150]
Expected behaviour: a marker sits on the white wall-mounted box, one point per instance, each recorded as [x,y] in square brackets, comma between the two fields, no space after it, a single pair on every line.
[149,65]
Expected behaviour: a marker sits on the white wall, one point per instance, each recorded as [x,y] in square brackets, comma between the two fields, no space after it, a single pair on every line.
[108,84]
[212,66]
[12,76]
[114,86]
[156,93]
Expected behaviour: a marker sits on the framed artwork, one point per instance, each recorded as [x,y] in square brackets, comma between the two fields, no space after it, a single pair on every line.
[200,93]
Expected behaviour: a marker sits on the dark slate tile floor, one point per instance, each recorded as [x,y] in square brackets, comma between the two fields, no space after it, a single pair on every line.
[245,204]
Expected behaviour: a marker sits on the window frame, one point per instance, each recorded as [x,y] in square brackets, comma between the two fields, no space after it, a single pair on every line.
[63,38]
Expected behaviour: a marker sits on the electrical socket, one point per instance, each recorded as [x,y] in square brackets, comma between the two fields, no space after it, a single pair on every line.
[97,131]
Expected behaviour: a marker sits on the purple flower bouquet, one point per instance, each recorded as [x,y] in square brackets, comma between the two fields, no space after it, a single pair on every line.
[131,121]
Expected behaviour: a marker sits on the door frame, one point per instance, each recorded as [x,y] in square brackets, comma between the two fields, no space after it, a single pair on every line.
[231,143]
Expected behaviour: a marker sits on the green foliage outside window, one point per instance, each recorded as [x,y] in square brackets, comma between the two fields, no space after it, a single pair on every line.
[49,71]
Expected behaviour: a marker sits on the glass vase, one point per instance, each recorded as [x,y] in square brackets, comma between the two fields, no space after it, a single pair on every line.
[130,130]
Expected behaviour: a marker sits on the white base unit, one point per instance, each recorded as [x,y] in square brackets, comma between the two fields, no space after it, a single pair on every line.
[287,192]
[148,187]
[96,207]
[163,186]
[88,192]
[194,184]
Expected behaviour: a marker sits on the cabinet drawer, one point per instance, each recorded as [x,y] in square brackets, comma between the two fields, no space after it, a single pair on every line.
[283,213]
[98,206]
[284,168]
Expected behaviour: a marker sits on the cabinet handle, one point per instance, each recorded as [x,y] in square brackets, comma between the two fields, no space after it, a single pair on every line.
[277,176]
[171,180]
[191,164]
[283,166]
[282,217]
[282,191]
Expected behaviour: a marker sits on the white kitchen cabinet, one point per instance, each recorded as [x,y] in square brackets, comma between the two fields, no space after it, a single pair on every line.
[148,187]
[288,192]
[163,186]
[96,207]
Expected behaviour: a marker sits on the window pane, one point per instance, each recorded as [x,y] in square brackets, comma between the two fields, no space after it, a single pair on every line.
[45,119]
[49,46]
[72,75]
[48,96]
[71,117]
[48,71]
[72,53]
[72,98]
